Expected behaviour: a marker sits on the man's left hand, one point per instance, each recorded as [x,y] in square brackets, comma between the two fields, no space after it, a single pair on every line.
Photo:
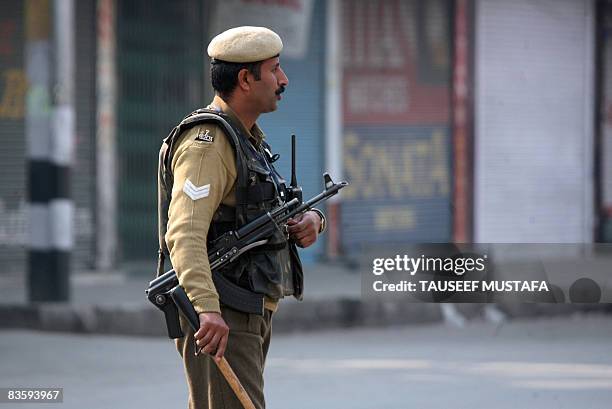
[304,229]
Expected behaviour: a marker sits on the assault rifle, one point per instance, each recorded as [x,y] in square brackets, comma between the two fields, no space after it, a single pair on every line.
[166,294]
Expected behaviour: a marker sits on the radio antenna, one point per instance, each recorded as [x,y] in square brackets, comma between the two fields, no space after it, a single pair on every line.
[293,175]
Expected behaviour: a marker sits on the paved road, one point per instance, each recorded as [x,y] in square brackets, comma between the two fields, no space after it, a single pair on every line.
[547,363]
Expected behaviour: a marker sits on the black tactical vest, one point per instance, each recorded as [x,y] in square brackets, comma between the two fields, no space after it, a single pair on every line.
[274,269]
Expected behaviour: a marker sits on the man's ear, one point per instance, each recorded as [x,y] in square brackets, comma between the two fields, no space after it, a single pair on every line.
[243,79]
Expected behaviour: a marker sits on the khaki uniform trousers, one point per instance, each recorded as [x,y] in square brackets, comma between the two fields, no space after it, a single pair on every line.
[247,347]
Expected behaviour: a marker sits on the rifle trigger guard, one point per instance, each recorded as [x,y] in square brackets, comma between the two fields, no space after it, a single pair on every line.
[248,247]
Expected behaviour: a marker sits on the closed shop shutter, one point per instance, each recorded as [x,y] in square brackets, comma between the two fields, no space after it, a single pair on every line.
[396,97]
[13,146]
[534,114]
[13,167]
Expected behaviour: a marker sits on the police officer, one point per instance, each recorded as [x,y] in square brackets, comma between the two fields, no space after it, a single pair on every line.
[218,183]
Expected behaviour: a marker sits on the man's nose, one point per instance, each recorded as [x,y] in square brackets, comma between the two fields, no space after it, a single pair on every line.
[282,79]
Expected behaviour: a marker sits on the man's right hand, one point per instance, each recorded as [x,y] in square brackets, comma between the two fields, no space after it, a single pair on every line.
[212,335]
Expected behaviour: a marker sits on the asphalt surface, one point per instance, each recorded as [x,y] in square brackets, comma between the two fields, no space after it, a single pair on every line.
[545,363]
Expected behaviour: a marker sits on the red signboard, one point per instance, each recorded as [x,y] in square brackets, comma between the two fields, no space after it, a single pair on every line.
[396,62]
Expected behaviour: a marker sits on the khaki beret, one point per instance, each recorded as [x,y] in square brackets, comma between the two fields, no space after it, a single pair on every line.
[245,44]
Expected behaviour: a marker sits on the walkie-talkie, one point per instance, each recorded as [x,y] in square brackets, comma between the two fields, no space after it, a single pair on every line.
[294,191]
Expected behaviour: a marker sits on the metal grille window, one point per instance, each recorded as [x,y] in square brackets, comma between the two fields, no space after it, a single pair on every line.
[13,146]
[160,69]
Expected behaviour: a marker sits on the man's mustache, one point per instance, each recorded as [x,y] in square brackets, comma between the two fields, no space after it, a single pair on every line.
[280,90]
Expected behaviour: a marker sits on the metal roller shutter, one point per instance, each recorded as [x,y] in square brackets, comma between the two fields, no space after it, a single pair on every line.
[13,176]
[396,93]
[534,113]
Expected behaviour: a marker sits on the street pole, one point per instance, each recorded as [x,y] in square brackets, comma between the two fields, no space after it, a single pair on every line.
[50,125]
[333,118]
[106,135]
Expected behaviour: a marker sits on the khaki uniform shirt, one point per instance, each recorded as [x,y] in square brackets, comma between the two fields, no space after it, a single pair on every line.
[204,169]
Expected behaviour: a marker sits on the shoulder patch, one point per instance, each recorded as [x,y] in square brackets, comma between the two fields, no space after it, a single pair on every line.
[205,136]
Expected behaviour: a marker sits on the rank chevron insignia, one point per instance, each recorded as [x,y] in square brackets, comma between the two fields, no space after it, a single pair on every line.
[196,192]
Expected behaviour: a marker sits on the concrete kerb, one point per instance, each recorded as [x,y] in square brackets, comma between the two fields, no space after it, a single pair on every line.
[303,316]
[139,320]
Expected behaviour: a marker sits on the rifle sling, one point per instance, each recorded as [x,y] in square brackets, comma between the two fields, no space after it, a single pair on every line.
[237,297]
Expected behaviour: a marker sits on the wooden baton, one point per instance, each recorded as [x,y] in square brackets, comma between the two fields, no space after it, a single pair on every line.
[234,383]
